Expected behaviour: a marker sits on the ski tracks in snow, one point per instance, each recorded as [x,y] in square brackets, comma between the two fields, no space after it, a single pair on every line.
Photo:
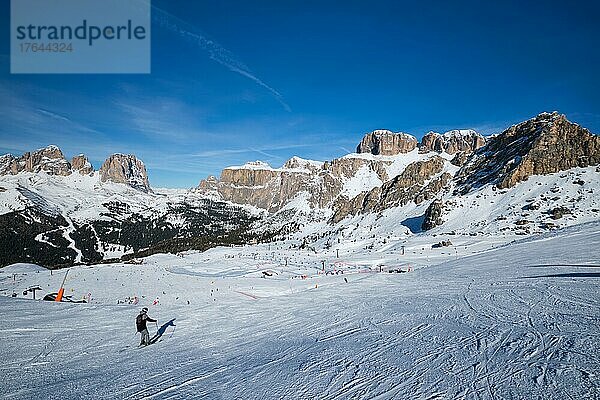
[474,340]
[471,328]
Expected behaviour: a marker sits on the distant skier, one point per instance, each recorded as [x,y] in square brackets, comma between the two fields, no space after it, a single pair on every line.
[140,322]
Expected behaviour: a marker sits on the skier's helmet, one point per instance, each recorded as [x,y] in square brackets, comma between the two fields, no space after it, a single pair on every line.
[145,310]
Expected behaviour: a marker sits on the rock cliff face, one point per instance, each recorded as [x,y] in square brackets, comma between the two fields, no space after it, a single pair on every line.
[451,142]
[8,165]
[384,142]
[118,168]
[433,215]
[269,188]
[348,185]
[334,183]
[252,174]
[543,145]
[410,185]
[352,184]
[209,184]
[387,143]
[300,163]
[127,169]
[49,159]
[82,165]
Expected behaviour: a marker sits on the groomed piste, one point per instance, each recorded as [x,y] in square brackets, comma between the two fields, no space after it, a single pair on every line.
[491,321]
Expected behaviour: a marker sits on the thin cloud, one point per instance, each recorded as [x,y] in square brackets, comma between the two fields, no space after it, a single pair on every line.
[53,115]
[264,153]
[262,150]
[164,119]
[215,51]
[161,119]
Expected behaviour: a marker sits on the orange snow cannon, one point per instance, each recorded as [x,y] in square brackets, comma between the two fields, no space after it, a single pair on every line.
[59,296]
[61,291]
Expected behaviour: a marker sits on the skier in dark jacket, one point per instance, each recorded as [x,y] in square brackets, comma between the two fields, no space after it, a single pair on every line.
[140,322]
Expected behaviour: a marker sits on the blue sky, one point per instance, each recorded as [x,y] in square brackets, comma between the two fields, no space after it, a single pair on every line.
[272,79]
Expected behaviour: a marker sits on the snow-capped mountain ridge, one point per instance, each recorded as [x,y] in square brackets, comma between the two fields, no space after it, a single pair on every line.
[63,213]
[119,168]
[360,184]
[381,156]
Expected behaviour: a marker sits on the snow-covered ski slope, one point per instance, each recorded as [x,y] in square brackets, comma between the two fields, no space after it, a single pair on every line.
[516,320]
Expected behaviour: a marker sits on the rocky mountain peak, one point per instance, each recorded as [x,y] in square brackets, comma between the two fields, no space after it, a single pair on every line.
[301,163]
[451,142]
[51,151]
[127,169]
[544,144]
[460,133]
[82,165]
[387,143]
[49,159]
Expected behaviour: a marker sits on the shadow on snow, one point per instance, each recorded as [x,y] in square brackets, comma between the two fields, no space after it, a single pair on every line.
[161,331]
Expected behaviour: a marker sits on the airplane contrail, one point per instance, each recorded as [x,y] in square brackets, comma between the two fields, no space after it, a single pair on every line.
[215,51]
